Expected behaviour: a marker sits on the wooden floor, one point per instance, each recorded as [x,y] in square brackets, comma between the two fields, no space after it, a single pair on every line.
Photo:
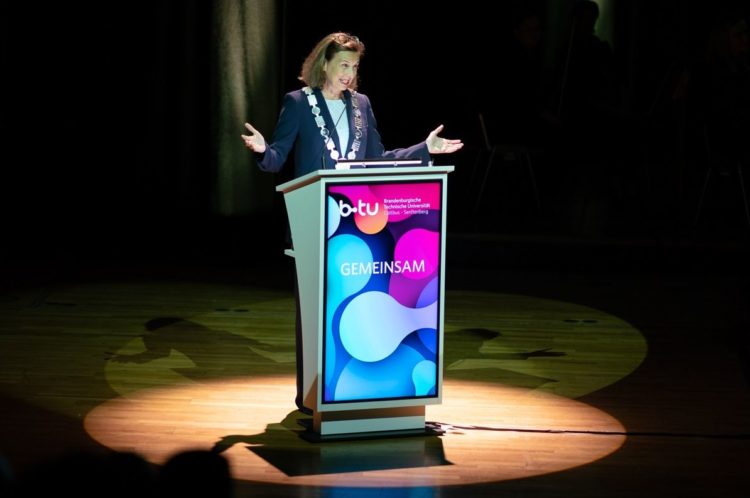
[574,383]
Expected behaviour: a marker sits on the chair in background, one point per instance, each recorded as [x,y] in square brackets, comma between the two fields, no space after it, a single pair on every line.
[507,153]
[721,168]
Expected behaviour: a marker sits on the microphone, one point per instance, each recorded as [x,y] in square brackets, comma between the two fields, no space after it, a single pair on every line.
[322,154]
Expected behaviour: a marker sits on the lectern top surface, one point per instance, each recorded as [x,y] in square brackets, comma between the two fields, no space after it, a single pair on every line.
[376,163]
[314,176]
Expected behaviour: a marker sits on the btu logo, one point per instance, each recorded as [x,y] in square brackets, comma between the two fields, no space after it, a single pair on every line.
[362,209]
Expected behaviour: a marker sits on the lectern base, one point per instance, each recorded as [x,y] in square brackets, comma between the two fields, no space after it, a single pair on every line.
[369,420]
[367,424]
[314,437]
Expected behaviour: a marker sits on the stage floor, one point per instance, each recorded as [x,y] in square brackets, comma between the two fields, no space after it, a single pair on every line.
[556,384]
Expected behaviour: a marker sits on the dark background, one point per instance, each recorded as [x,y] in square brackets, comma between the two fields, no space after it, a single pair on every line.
[109,152]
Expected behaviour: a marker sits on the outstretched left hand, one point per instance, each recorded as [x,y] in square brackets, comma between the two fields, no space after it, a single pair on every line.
[438,145]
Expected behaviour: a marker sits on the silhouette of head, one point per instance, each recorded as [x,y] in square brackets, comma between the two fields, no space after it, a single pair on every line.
[585,15]
[196,473]
[526,27]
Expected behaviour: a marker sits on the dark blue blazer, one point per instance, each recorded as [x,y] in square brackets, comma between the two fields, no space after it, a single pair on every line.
[296,128]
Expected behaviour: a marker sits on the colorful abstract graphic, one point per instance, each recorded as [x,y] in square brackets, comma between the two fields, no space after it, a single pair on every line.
[382,285]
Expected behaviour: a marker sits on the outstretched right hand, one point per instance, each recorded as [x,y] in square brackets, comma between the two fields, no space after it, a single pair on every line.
[255,141]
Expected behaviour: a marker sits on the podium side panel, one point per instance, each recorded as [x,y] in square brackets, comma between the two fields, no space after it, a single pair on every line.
[305,221]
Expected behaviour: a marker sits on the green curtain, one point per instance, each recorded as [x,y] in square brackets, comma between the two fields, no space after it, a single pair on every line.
[247,86]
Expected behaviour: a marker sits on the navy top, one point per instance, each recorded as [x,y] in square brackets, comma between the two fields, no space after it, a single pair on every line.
[296,125]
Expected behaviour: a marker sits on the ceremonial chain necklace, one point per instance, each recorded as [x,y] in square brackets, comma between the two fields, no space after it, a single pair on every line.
[330,145]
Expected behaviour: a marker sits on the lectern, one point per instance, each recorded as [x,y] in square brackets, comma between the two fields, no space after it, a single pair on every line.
[369,250]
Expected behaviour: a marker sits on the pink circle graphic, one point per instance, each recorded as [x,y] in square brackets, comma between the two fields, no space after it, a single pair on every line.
[418,250]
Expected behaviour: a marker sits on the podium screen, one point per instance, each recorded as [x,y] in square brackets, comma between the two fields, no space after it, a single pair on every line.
[382,258]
